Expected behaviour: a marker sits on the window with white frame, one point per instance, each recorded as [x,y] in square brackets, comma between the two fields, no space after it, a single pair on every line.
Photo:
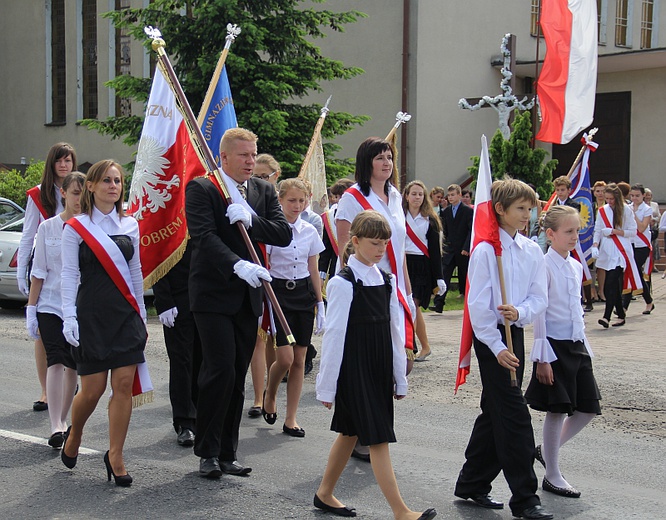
[534,17]
[89,59]
[56,72]
[623,19]
[647,23]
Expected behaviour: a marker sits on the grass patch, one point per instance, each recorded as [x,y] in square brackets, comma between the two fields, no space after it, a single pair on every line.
[453,302]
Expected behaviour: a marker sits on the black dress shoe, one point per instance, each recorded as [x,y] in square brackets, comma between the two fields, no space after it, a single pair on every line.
[483,500]
[428,514]
[56,440]
[254,411]
[340,511]
[309,366]
[293,432]
[535,513]
[539,456]
[68,461]
[185,437]
[234,468]
[563,492]
[365,457]
[270,418]
[40,406]
[210,468]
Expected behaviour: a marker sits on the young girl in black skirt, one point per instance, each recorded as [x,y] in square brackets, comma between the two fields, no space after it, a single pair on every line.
[423,247]
[562,384]
[363,365]
[297,287]
[44,309]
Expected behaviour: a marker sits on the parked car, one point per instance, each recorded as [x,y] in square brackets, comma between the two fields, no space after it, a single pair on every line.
[11,227]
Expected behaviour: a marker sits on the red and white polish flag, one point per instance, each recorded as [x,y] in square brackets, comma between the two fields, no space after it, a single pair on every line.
[485,228]
[567,84]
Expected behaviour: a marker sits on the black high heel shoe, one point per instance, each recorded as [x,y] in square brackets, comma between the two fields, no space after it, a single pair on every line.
[121,480]
[68,461]
[270,418]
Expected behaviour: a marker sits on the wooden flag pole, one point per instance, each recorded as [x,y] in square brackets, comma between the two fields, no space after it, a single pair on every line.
[208,161]
[315,137]
[232,31]
[507,324]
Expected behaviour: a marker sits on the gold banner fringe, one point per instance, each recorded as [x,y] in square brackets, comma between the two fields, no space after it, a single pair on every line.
[410,354]
[161,270]
[141,399]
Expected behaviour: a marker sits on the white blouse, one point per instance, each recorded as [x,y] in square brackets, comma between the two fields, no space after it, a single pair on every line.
[641,212]
[47,265]
[609,255]
[291,262]
[111,224]
[525,283]
[340,294]
[563,318]
[419,225]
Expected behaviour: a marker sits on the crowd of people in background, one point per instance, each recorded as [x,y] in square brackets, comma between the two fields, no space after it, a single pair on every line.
[362,274]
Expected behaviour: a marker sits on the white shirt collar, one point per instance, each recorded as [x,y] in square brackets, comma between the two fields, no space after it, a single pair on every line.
[507,240]
[298,225]
[98,216]
[359,267]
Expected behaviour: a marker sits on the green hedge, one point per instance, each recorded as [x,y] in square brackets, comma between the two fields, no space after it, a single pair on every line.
[13,185]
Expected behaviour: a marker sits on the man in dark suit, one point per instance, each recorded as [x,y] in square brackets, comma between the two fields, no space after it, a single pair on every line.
[563,190]
[225,292]
[172,303]
[457,229]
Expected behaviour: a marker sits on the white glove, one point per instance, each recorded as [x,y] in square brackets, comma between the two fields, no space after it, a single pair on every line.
[22,283]
[607,231]
[412,306]
[238,213]
[322,275]
[70,329]
[143,314]
[168,317]
[31,321]
[441,287]
[250,272]
[594,252]
[320,319]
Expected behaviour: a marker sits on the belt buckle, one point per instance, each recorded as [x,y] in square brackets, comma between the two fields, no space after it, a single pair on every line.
[290,285]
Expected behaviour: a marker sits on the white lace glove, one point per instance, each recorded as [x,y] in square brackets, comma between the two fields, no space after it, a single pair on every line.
[168,317]
[22,283]
[31,321]
[251,272]
[70,329]
[441,287]
[412,306]
[594,252]
[607,231]
[320,319]
[238,213]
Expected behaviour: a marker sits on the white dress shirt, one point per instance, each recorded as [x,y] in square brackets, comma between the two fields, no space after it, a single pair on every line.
[641,212]
[340,294]
[31,220]
[291,262]
[419,225]
[47,265]
[525,283]
[111,224]
[312,218]
[609,255]
[563,318]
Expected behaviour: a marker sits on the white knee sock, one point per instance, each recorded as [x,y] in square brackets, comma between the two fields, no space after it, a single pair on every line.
[573,425]
[552,430]
[55,376]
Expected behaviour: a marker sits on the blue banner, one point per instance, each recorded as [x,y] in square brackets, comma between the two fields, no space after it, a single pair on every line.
[219,115]
[581,193]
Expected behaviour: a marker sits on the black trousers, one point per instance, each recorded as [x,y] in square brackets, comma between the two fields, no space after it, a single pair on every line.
[502,438]
[461,262]
[641,255]
[227,343]
[613,292]
[184,349]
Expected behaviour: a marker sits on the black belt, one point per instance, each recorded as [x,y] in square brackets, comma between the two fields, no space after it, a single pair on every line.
[290,285]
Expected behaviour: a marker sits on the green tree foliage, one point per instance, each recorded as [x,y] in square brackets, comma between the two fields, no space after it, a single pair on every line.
[271,66]
[516,158]
[13,184]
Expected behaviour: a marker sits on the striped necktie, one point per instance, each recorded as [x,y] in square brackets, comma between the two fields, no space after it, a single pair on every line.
[243,191]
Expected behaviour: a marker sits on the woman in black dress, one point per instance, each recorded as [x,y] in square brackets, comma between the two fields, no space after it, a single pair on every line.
[104,320]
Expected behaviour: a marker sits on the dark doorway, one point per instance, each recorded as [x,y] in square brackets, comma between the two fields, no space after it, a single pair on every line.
[610,163]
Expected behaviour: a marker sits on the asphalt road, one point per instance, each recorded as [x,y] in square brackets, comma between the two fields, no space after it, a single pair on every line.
[618,462]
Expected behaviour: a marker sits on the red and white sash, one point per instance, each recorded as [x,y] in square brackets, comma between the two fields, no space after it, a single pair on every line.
[329,226]
[416,239]
[649,264]
[631,273]
[114,263]
[390,253]
[34,194]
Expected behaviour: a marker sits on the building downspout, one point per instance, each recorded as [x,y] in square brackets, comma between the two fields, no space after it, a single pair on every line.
[405,88]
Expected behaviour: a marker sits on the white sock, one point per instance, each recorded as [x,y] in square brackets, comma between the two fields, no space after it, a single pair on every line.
[573,425]
[55,376]
[552,430]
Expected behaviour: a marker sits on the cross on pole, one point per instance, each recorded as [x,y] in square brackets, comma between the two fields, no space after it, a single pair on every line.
[506,102]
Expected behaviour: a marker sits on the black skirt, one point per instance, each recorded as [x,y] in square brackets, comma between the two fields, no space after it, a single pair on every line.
[58,351]
[364,395]
[574,389]
[420,277]
[297,305]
